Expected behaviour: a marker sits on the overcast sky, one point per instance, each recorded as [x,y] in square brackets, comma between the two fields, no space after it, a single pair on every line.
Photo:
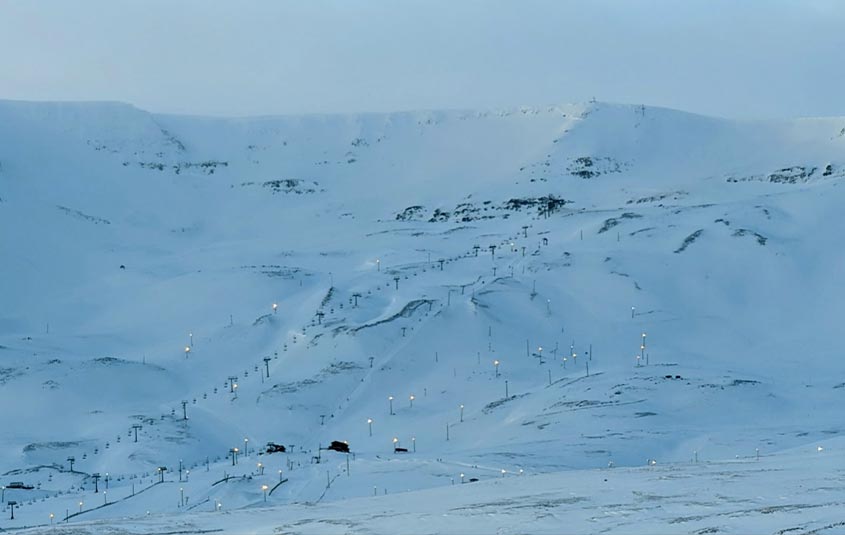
[735,58]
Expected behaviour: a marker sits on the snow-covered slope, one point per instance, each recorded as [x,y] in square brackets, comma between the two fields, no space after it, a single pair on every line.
[406,253]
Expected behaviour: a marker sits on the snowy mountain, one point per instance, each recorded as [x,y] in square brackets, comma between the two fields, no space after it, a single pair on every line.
[544,294]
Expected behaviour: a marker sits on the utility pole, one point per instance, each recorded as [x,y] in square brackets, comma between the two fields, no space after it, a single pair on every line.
[136,427]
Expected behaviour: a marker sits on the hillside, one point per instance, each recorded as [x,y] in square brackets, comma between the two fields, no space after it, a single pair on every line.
[406,253]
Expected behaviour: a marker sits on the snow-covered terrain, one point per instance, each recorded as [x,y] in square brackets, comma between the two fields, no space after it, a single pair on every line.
[599,317]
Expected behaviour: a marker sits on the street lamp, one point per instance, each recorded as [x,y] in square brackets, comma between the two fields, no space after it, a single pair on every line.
[191,339]
[80,506]
[411,400]
[395,443]
[370,424]
[496,364]
[246,447]
[414,444]
[378,264]
[390,399]
[52,516]
[462,412]
[503,472]
[187,350]
[260,469]
[275,307]
[264,488]
[642,347]
[280,476]
[462,477]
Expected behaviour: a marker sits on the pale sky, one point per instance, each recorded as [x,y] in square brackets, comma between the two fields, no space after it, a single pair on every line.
[734,58]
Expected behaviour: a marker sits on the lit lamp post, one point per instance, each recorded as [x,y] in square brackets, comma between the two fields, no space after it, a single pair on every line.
[390,399]
[264,488]
[395,443]
[638,360]
[411,401]
[414,444]
[370,424]
[275,307]
[496,364]
[280,476]
[187,351]
[503,472]
[52,516]
[235,389]
[378,264]
[246,447]
[540,352]
[260,469]
[80,506]
[191,339]
[642,348]
[462,477]
[462,412]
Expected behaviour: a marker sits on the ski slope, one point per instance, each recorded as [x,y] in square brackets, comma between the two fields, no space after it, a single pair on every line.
[661,292]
